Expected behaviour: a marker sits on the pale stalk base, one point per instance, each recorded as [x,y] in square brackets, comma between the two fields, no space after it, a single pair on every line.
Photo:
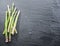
[6,40]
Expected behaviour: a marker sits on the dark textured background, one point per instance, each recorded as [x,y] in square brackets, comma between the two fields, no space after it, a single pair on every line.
[38,24]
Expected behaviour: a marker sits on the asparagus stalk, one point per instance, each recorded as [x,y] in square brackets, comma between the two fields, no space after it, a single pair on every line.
[7,18]
[9,26]
[6,34]
[12,9]
[12,23]
[15,22]
[11,19]
[6,25]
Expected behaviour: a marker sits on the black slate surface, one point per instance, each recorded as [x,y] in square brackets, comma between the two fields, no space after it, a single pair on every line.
[38,24]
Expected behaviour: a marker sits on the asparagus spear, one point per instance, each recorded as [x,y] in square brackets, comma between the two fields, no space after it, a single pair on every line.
[6,35]
[15,22]
[12,9]
[11,19]
[7,18]
[9,26]
[12,23]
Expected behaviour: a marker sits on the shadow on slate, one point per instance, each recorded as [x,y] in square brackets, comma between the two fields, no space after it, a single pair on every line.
[38,24]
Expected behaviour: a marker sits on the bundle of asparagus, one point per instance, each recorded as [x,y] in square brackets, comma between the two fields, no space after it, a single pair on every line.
[10,22]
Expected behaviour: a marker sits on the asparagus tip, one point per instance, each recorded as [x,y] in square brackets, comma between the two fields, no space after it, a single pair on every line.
[8,6]
[13,3]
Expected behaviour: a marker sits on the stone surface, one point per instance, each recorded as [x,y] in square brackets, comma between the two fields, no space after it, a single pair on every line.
[38,24]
